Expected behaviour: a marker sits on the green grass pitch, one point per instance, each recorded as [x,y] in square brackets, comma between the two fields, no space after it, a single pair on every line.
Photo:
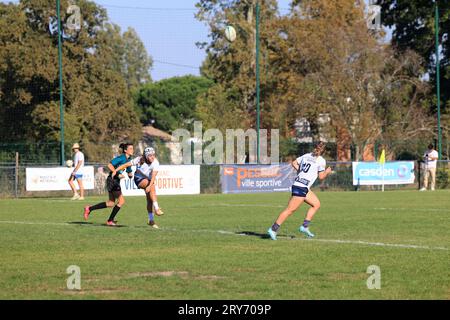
[213,247]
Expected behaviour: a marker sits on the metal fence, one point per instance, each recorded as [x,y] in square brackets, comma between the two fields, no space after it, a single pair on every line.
[13,180]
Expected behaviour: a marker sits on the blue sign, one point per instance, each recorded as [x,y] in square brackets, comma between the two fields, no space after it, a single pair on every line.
[256,178]
[374,173]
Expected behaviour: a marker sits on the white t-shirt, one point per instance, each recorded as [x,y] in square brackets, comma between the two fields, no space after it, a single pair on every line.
[428,155]
[145,168]
[78,157]
[309,168]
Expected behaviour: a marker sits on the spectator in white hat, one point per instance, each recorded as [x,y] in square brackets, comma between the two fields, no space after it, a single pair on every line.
[78,162]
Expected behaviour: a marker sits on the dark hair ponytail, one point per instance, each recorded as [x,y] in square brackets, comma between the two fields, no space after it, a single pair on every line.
[124,146]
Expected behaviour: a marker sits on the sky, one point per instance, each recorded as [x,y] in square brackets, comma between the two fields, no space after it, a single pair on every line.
[168,29]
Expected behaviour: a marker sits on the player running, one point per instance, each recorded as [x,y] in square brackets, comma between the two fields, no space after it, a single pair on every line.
[308,167]
[147,167]
[113,185]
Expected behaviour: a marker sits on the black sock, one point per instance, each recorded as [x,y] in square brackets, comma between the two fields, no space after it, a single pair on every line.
[113,213]
[101,205]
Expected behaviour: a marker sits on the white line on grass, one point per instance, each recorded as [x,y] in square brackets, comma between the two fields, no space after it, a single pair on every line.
[380,244]
[250,205]
[354,242]
[413,209]
[38,223]
[231,205]
[360,242]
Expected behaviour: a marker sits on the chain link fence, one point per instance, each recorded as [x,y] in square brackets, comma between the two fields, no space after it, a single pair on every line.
[13,180]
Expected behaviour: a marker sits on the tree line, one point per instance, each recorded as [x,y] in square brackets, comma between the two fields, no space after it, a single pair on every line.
[318,61]
[321,59]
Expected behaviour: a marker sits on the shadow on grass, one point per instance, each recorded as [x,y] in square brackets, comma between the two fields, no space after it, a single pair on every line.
[262,235]
[91,224]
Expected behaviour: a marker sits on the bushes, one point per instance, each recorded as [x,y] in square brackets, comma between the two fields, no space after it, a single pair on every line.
[442,178]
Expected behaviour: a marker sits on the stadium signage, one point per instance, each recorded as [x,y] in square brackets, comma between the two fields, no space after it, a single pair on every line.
[55,179]
[171,180]
[376,172]
[373,173]
[256,178]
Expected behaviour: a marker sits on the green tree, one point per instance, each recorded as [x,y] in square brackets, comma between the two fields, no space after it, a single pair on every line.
[98,107]
[172,102]
[232,65]
[413,23]
[136,61]
[216,108]
[319,62]
[344,71]
[127,55]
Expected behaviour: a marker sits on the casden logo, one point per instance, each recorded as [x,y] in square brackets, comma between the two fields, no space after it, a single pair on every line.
[376,172]
[402,171]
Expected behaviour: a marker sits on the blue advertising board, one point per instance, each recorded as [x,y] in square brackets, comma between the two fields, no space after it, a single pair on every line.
[256,178]
[374,173]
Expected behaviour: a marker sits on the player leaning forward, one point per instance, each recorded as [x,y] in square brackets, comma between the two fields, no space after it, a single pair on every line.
[113,184]
[308,167]
[147,167]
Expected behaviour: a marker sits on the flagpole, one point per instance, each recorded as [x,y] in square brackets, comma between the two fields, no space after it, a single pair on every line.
[382,161]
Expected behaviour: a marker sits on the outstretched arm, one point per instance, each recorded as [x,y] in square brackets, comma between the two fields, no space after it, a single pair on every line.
[324,174]
[122,167]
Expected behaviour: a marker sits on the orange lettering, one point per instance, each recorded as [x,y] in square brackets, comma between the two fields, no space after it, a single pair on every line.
[241,174]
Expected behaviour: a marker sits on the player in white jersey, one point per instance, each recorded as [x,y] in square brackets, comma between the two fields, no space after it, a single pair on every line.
[147,167]
[308,167]
[78,163]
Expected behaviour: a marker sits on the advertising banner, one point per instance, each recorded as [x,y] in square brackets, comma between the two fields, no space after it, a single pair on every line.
[256,178]
[374,173]
[171,180]
[56,178]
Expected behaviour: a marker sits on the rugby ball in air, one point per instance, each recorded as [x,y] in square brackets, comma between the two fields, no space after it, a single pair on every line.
[230,33]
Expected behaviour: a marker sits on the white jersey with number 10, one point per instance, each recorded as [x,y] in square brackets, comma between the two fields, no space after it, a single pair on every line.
[309,168]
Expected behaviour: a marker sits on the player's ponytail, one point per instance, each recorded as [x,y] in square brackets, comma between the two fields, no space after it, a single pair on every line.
[318,149]
[124,146]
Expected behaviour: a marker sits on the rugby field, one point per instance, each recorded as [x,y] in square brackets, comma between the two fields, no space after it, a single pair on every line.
[214,247]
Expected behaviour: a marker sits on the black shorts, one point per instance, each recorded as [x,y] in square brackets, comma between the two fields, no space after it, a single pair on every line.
[113,184]
[299,191]
[138,178]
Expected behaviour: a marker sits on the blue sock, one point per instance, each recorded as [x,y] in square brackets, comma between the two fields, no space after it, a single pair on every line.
[150,216]
[275,227]
[306,223]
